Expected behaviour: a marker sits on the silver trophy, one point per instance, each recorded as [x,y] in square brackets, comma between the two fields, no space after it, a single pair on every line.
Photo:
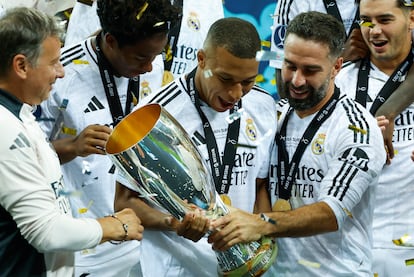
[159,160]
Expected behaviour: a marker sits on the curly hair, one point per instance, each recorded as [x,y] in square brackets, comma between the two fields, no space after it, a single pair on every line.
[131,21]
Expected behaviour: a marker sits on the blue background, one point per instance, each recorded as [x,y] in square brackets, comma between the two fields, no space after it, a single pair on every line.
[259,13]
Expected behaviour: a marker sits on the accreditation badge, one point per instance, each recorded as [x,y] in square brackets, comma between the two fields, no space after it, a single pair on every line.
[226,199]
[281,205]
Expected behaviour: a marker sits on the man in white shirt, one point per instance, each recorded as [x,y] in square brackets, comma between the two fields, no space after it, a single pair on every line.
[328,156]
[387,27]
[38,235]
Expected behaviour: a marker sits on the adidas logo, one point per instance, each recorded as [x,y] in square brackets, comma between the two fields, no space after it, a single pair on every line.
[94,105]
[20,142]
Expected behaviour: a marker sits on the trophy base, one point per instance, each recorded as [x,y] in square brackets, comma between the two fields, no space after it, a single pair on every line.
[259,264]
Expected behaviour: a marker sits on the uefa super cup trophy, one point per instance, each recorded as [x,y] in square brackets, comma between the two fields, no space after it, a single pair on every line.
[160,161]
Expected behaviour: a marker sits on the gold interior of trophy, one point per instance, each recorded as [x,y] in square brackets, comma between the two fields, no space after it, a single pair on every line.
[133,128]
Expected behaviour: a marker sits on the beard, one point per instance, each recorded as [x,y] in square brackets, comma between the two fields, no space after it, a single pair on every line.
[314,98]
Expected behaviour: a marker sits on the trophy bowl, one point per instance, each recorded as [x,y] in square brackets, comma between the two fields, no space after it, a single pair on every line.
[159,160]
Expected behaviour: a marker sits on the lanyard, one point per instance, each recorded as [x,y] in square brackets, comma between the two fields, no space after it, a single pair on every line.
[393,82]
[221,169]
[173,35]
[332,8]
[286,171]
[111,91]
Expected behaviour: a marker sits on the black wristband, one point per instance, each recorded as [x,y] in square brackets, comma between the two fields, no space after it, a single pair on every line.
[267,219]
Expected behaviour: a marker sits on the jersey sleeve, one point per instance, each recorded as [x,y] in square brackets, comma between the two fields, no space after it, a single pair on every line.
[29,199]
[356,160]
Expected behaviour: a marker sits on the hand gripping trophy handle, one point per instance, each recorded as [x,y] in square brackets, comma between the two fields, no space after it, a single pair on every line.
[159,160]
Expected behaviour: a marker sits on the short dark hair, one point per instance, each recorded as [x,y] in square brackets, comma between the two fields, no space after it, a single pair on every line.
[236,35]
[130,21]
[22,31]
[319,27]
[400,3]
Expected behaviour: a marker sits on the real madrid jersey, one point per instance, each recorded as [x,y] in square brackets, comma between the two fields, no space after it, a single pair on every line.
[286,10]
[175,255]
[77,101]
[393,214]
[197,19]
[340,167]
[37,231]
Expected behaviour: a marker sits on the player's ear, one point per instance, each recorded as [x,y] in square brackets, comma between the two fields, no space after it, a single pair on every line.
[20,65]
[201,57]
[337,66]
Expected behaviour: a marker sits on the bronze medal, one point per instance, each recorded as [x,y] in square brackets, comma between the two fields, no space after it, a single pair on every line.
[281,205]
[226,199]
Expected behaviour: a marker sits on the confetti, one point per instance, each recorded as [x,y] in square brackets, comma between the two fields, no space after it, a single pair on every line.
[356,129]
[84,210]
[405,241]
[234,116]
[309,264]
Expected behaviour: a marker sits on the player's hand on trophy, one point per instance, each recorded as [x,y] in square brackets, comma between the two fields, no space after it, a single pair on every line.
[121,226]
[92,140]
[193,226]
[235,227]
[387,128]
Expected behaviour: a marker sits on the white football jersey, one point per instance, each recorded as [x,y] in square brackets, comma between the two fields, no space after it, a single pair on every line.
[180,256]
[197,19]
[286,10]
[90,180]
[38,232]
[340,167]
[393,206]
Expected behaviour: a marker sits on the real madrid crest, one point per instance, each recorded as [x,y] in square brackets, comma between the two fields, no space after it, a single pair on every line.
[251,129]
[193,22]
[145,89]
[318,144]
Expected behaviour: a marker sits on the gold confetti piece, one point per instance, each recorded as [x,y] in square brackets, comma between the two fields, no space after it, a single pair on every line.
[142,10]
[88,251]
[69,131]
[309,264]
[158,24]
[405,240]
[368,24]
[348,212]
[84,210]
[260,78]
[356,129]
[409,262]
[266,43]
[80,62]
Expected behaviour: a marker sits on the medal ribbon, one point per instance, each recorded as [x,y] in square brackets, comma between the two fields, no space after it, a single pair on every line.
[332,8]
[173,35]
[221,170]
[286,171]
[111,91]
[393,82]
